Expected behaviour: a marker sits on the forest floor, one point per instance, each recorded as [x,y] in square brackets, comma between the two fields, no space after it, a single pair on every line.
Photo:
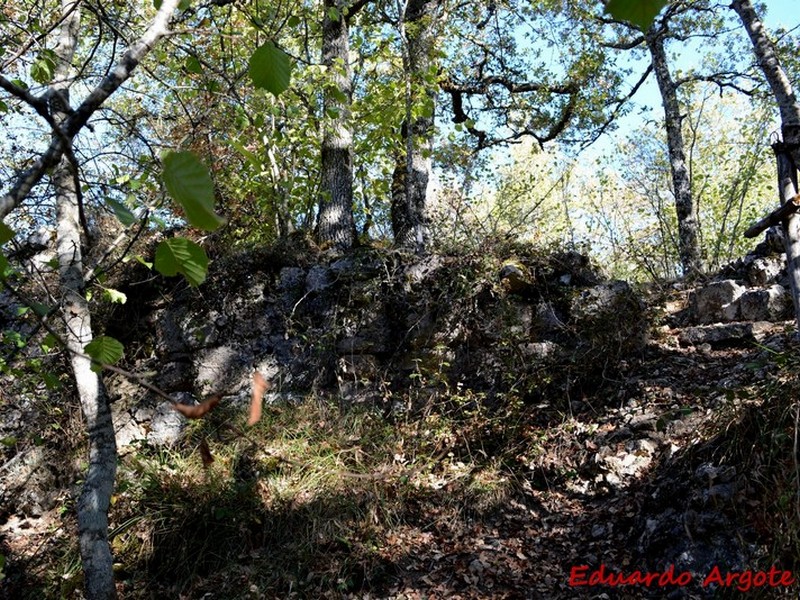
[686,453]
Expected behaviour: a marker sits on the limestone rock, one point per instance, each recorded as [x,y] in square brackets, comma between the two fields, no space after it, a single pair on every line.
[716,302]
[515,278]
[764,270]
[771,304]
[724,334]
[609,318]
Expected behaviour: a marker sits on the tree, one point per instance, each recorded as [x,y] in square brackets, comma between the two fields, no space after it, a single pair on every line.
[336,224]
[787,153]
[57,71]
[418,27]
[66,123]
[95,497]
[688,235]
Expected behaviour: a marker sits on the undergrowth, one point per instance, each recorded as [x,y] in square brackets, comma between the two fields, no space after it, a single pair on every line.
[759,433]
[302,504]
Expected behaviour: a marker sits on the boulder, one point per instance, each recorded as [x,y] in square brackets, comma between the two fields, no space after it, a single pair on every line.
[764,270]
[771,304]
[610,318]
[724,333]
[716,302]
[515,278]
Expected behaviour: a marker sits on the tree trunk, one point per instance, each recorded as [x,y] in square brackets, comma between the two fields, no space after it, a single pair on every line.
[413,166]
[787,188]
[769,63]
[336,225]
[787,154]
[774,74]
[95,497]
[688,239]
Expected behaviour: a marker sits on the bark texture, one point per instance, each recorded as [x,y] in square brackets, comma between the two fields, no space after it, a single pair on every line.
[769,63]
[787,187]
[336,225]
[95,496]
[688,238]
[413,166]
[787,153]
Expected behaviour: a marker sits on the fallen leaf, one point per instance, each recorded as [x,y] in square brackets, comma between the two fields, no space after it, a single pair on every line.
[197,410]
[260,385]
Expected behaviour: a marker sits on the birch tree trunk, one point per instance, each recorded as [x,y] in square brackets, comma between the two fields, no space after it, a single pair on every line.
[336,225]
[688,238]
[787,153]
[95,497]
[413,167]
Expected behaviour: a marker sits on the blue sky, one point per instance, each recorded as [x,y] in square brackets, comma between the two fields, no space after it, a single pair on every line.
[647,102]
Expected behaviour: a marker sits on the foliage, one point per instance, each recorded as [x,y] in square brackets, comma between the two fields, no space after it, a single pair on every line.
[639,12]
[519,91]
[180,255]
[104,350]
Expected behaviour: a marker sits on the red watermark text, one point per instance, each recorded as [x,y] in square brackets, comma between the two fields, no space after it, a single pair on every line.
[744,581]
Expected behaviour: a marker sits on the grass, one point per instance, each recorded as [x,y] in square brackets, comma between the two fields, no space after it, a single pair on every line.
[300,504]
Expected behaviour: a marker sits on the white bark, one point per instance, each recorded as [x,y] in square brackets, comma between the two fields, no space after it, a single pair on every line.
[787,188]
[26,180]
[788,153]
[95,497]
[769,63]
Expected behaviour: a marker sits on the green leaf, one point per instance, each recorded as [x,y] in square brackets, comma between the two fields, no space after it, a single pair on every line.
[6,233]
[639,12]
[293,21]
[122,212]
[104,350]
[9,441]
[179,255]
[114,296]
[44,67]
[142,261]
[40,309]
[184,4]
[3,107]
[52,382]
[189,183]
[5,267]
[49,342]
[193,65]
[250,157]
[270,68]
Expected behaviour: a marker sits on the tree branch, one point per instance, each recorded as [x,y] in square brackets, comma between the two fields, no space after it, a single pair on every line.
[26,180]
